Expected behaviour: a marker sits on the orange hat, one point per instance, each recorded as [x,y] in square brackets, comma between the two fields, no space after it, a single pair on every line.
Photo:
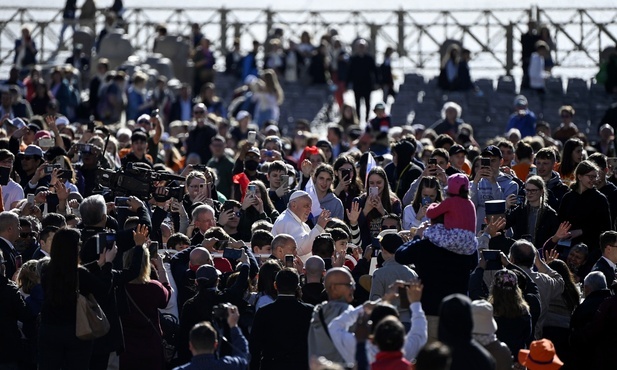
[540,356]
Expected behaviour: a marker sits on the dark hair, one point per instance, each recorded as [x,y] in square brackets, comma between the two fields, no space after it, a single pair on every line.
[267,273]
[277,166]
[426,182]
[177,239]
[570,293]
[441,152]
[607,238]
[434,356]
[216,232]
[443,140]
[567,166]
[340,224]
[323,246]
[547,153]
[392,216]
[324,167]
[265,198]
[261,238]
[599,159]
[355,188]
[523,150]
[203,336]
[46,231]
[287,281]
[506,143]
[387,195]
[389,334]
[338,234]
[380,312]
[62,277]
[582,169]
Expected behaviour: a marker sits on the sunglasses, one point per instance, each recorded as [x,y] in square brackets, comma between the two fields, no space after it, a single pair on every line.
[199,112]
[385,227]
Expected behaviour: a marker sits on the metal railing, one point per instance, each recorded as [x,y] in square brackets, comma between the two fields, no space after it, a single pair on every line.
[492,36]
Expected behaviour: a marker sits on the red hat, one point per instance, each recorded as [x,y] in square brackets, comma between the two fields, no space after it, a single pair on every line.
[540,356]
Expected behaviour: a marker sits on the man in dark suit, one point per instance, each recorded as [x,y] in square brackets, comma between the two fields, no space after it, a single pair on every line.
[9,232]
[279,338]
[606,263]
[45,237]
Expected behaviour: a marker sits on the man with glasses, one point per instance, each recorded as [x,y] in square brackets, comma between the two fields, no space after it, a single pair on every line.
[12,192]
[201,135]
[32,174]
[340,286]
[608,262]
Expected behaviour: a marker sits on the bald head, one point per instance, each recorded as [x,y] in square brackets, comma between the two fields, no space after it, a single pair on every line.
[338,284]
[315,267]
[200,256]
[523,253]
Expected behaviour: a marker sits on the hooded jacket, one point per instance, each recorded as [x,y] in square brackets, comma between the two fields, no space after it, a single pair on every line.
[455,327]
[556,190]
[334,205]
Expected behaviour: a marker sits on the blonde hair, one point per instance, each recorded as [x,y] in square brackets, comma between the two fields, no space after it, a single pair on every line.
[144,273]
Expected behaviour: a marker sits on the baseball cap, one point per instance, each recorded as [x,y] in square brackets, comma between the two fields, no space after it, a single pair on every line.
[34,151]
[17,122]
[520,101]
[380,105]
[242,115]
[492,151]
[207,274]
[62,121]
[456,182]
[254,150]
[457,148]
[143,117]
[34,128]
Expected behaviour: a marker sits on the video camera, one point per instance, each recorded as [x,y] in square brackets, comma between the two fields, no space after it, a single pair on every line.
[138,180]
[220,312]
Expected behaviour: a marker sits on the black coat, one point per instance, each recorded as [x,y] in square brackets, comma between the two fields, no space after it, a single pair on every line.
[588,211]
[362,73]
[442,272]
[279,338]
[603,266]
[199,308]
[547,223]
[12,309]
[199,141]
[9,254]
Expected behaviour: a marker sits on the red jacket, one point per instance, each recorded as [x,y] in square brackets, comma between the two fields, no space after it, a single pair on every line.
[390,361]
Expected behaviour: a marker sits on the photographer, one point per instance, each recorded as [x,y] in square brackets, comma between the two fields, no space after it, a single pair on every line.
[95,220]
[199,308]
[204,343]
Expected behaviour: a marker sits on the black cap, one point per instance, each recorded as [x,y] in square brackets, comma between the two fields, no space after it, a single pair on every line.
[391,242]
[491,151]
[495,207]
[457,148]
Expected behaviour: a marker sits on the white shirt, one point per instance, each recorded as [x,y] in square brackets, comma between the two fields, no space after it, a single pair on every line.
[289,223]
[11,192]
[345,341]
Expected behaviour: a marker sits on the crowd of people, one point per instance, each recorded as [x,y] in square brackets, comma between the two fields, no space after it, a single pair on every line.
[210,240]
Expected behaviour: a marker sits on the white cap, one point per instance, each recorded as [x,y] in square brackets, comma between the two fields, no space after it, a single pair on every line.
[297,194]
[242,115]
[62,121]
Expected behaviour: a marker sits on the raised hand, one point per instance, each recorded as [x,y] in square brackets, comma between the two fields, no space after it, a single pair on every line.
[140,234]
[354,213]
[563,231]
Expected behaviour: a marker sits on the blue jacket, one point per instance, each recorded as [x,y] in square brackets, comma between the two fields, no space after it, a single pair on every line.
[525,124]
[238,360]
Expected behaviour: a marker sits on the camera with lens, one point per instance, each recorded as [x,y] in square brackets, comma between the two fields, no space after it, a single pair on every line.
[220,312]
[139,180]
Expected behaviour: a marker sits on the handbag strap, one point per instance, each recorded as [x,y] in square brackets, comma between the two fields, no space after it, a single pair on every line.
[141,312]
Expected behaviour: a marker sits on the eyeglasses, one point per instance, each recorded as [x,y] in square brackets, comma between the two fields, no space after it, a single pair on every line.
[532,191]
